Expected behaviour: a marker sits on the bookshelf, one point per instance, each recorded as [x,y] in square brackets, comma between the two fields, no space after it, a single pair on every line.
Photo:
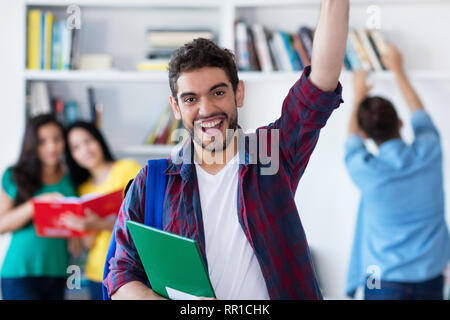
[132,100]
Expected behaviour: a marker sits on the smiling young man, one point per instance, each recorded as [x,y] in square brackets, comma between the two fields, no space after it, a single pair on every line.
[245,222]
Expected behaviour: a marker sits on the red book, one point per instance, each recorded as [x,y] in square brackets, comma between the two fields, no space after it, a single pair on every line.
[47,214]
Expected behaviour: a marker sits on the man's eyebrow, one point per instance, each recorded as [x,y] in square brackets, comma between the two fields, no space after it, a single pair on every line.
[222,84]
[184,94]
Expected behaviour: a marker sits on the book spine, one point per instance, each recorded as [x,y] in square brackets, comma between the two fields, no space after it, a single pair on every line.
[92,110]
[375,49]
[241,47]
[48,39]
[66,47]
[74,49]
[71,112]
[254,61]
[276,55]
[290,51]
[281,48]
[352,58]
[43,42]
[306,37]
[262,48]
[55,46]
[34,40]
[359,50]
[298,46]
[379,43]
[369,49]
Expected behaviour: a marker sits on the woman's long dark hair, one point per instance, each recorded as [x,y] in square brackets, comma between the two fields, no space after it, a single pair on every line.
[27,172]
[77,173]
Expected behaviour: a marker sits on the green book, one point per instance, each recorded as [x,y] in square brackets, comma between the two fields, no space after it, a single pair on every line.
[173,263]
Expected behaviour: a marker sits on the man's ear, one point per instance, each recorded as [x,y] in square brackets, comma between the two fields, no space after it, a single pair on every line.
[400,123]
[240,94]
[175,108]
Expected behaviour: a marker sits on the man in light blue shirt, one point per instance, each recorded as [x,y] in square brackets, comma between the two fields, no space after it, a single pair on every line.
[401,244]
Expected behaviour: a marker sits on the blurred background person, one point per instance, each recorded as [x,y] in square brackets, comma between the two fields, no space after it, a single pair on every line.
[401,233]
[34,267]
[94,170]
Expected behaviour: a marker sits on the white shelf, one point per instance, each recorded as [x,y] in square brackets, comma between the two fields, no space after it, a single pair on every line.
[103,76]
[161,76]
[147,150]
[209,3]
[128,4]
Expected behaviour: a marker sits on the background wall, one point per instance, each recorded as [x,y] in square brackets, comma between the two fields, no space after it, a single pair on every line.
[11,121]
[326,198]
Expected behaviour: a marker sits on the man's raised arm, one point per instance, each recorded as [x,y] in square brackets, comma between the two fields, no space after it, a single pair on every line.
[329,44]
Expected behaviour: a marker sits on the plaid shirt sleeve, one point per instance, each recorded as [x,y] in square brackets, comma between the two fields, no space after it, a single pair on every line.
[126,265]
[305,111]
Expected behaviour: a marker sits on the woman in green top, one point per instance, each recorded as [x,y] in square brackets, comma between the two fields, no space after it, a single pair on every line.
[34,267]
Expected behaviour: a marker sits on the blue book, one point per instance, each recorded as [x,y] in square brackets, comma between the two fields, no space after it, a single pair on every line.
[43,40]
[352,57]
[55,46]
[291,52]
[347,64]
[71,112]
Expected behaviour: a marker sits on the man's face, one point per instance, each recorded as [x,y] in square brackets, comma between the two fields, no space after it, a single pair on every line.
[207,105]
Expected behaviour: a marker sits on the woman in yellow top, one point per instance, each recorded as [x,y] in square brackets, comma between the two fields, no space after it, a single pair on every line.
[94,170]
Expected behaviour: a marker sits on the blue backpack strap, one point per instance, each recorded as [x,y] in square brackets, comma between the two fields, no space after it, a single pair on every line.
[155,192]
[154,206]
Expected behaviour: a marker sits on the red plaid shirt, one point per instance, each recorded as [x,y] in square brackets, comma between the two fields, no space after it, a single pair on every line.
[266,207]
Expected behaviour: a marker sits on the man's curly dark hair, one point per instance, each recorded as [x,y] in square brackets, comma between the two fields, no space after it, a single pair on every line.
[201,53]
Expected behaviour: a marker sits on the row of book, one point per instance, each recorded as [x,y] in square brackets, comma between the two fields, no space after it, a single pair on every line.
[163,41]
[67,112]
[51,45]
[258,49]
[162,132]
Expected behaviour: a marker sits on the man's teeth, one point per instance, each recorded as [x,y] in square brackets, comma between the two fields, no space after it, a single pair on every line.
[210,124]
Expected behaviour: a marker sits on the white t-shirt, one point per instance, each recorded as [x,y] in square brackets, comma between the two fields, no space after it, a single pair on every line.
[234,270]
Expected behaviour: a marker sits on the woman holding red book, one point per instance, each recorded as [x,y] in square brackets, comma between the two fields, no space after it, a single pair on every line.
[94,170]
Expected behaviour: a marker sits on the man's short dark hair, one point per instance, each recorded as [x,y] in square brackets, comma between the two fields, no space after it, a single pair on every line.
[378,119]
[201,53]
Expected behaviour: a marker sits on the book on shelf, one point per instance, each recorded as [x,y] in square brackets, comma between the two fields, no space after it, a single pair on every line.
[153,64]
[163,41]
[306,35]
[51,45]
[261,49]
[174,38]
[370,49]
[161,133]
[241,44]
[95,108]
[39,102]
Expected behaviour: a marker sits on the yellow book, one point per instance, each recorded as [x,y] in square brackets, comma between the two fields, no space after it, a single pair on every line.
[48,39]
[154,65]
[34,40]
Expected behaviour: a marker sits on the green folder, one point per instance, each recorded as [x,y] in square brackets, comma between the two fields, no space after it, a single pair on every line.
[173,263]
